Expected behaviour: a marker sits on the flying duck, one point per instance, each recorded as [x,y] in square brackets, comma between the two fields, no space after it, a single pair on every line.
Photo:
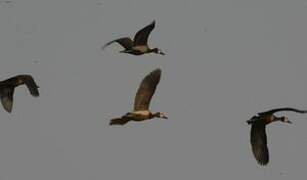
[142,100]
[138,45]
[258,138]
[7,88]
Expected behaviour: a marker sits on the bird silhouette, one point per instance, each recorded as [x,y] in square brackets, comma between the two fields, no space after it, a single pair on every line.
[138,45]
[142,101]
[258,137]
[7,88]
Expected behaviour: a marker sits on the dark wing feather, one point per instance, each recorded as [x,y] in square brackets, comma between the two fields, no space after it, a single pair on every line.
[258,141]
[7,98]
[24,79]
[20,80]
[126,42]
[31,85]
[284,109]
[7,89]
[119,121]
[146,90]
[141,36]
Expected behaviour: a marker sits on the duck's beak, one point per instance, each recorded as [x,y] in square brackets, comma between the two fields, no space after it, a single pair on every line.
[286,120]
[164,117]
[162,53]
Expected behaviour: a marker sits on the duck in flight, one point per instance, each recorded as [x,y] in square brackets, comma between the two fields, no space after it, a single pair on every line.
[258,138]
[138,45]
[142,100]
[7,88]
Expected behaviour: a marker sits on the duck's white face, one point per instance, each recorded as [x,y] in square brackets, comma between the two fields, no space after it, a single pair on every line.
[160,52]
[286,120]
[162,115]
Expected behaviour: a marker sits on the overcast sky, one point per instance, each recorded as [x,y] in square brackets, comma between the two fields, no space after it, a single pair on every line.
[226,60]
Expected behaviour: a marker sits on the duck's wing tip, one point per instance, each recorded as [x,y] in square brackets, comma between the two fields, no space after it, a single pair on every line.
[141,37]
[258,141]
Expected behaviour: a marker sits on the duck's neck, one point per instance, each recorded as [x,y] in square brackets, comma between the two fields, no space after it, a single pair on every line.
[154,50]
[156,114]
[278,118]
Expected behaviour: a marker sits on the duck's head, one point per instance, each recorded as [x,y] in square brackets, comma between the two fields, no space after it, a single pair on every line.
[160,115]
[284,119]
[158,51]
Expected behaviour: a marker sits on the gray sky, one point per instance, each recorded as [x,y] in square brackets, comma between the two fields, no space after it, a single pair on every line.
[251,58]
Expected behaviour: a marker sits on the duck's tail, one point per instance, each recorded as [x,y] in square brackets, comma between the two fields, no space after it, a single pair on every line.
[119,121]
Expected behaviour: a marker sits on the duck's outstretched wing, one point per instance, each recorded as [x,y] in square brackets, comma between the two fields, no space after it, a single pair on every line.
[258,140]
[20,80]
[8,86]
[142,35]
[146,90]
[126,42]
[284,109]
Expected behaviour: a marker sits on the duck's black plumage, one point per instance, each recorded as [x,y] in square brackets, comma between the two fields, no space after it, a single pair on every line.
[119,121]
[126,42]
[272,111]
[258,137]
[259,143]
[7,88]
[141,37]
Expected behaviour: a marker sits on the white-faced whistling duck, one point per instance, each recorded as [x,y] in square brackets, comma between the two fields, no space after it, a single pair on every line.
[258,138]
[142,100]
[7,88]
[139,44]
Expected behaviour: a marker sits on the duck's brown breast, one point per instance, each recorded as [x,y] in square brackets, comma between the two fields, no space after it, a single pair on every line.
[141,115]
[140,48]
